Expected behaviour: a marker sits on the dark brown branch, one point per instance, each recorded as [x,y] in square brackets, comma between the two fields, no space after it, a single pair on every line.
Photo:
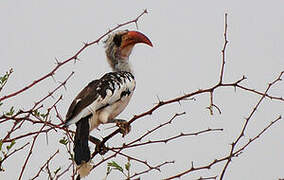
[224,50]
[246,123]
[206,178]
[74,57]
[44,165]
[148,170]
[135,159]
[217,161]
[26,135]
[170,138]
[6,156]
[163,103]
[65,171]
[152,130]
[29,154]
[256,137]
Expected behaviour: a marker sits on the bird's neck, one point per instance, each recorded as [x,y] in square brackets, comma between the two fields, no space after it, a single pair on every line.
[119,60]
[122,66]
[117,64]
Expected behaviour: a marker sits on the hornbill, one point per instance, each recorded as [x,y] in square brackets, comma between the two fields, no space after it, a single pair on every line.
[105,98]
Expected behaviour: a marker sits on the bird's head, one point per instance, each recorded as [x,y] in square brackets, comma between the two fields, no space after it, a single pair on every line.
[119,46]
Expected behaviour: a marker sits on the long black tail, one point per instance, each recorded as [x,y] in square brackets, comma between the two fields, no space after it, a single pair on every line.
[81,147]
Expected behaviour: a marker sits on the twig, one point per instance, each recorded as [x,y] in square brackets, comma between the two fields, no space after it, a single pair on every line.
[148,170]
[170,138]
[44,165]
[74,57]
[224,50]
[29,155]
[246,123]
[10,154]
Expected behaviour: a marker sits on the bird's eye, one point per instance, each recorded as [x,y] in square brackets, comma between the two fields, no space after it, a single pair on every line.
[117,40]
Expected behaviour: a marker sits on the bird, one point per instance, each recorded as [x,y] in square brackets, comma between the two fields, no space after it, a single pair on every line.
[102,100]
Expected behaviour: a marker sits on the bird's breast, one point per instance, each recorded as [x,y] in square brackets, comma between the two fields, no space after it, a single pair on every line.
[118,94]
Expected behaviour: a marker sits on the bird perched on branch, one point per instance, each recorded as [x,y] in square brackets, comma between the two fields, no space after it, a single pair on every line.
[102,100]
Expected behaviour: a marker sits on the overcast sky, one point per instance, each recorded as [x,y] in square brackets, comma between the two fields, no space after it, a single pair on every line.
[187,38]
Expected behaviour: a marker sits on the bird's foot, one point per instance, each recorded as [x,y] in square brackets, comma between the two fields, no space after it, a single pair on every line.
[100,147]
[124,126]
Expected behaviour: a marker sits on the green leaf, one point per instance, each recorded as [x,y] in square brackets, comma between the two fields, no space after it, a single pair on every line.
[57,170]
[44,115]
[127,166]
[3,79]
[114,165]
[63,141]
[11,145]
[108,170]
[36,113]
[1,144]
[39,114]
[12,110]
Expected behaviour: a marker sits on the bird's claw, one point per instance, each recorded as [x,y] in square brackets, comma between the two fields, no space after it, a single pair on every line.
[101,149]
[124,127]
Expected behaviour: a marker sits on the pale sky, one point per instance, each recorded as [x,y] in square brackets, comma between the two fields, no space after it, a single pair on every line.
[187,38]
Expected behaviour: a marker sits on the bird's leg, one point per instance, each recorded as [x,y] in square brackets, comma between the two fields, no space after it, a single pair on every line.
[100,147]
[123,125]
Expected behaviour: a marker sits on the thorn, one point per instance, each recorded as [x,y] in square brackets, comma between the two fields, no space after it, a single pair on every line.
[64,85]
[192,167]
[86,43]
[57,61]
[51,94]
[76,59]
[52,75]
[158,98]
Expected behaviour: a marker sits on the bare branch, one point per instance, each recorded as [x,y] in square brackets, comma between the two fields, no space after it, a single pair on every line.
[246,123]
[224,50]
[74,57]
[45,164]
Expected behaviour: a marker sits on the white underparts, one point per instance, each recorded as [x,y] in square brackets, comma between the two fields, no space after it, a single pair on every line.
[104,109]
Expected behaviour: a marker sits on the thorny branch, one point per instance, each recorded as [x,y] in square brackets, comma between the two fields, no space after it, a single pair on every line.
[217,161]
[74,58]
[6,156]
[220,84]
[45,164]
[45,124]
[29,154]
[33,115]
[247,121]
[224,50]
[4,79]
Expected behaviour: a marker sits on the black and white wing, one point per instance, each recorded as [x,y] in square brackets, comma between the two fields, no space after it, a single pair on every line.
[99,94]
